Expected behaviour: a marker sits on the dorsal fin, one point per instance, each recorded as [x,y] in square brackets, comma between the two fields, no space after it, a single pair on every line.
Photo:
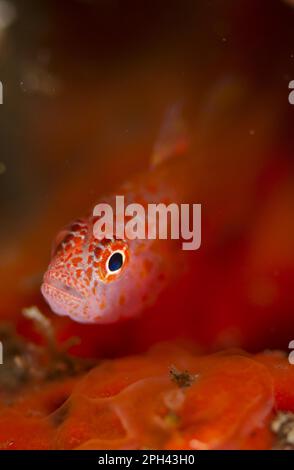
[173,137]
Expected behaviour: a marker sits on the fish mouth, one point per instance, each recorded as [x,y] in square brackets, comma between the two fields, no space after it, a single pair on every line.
[61,287]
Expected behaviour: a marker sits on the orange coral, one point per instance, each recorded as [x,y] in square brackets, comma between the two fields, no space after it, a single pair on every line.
[169,398]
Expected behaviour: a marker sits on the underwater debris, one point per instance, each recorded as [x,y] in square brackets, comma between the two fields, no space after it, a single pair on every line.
[182,379]
[283,427]
[61,363]
[41,322]
[21,360]
[26,363]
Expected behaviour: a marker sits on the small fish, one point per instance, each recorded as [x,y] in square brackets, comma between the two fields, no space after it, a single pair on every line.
[95,281]
[102,281]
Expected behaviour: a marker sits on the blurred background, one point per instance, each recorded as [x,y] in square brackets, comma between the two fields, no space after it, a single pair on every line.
[86,85]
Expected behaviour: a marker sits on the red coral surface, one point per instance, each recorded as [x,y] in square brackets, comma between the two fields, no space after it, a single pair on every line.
[168,398]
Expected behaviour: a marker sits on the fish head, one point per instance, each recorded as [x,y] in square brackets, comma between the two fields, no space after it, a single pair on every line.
[101,281]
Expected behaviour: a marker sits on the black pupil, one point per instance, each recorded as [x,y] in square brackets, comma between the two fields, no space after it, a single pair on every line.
[115,262]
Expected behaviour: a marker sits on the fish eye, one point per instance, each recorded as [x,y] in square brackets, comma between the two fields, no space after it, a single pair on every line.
[110,259]
[115,261]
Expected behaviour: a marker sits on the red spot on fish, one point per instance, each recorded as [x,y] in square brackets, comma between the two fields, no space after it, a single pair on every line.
[97,252]
[89,273]
[76,261]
